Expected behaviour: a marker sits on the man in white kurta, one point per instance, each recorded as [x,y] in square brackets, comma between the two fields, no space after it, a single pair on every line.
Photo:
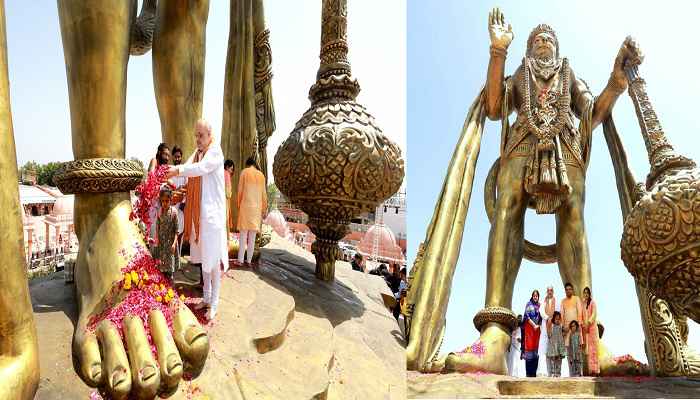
[208,241]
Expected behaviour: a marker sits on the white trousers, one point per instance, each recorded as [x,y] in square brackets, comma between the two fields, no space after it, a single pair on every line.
[212,282]
[246,238]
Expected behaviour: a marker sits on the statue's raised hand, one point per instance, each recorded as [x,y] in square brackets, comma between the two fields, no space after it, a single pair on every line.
[629,56]
[500,33]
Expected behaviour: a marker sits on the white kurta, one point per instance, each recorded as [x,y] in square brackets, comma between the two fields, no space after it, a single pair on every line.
[513,360]
[212,247]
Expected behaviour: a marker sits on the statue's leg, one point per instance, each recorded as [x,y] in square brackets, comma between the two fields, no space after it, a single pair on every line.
[572,244]
[96,48]
[178,68]
[505,253]
[19,358]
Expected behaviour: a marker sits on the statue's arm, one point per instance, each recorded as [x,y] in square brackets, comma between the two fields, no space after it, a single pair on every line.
[605,102]
[501,35]
[628,55]
[495,83]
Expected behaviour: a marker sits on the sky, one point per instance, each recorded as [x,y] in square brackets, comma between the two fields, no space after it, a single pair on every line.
[447,57]
[39,92]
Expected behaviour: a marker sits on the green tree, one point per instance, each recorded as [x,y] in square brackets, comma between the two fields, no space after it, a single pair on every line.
[46,172]
[143,167]
[28,166]
[272,194]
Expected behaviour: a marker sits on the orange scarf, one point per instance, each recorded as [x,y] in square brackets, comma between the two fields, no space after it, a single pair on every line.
[193,200]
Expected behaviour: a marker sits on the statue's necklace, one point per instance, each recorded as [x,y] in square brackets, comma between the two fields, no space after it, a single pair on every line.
[553,107]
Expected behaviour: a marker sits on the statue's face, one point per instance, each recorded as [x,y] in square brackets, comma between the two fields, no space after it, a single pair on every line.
[544,46]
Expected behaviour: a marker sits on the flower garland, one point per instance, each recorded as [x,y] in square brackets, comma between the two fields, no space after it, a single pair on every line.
[148,191]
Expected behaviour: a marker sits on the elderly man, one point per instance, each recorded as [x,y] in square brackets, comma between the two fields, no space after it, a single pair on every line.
[205,214]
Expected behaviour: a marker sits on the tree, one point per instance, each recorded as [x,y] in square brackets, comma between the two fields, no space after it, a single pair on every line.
[139,162]
[46,172]
[272,194]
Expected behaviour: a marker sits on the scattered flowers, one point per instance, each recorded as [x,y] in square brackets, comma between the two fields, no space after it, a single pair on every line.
[477,348]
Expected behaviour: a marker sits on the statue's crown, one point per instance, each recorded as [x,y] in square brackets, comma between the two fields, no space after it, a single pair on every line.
[542,28]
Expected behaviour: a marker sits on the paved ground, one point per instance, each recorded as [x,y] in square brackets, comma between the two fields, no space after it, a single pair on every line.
[427,386]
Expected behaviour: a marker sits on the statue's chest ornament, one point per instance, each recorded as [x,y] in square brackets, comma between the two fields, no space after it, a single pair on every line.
[548,115]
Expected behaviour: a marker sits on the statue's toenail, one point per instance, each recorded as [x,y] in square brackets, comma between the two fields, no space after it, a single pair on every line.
[193,334]
[147,373]
[95,372]
[118,377]
[173,363]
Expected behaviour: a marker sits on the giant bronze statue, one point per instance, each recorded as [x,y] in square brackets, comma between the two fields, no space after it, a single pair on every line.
[19,357]
[544,155]
[98,38]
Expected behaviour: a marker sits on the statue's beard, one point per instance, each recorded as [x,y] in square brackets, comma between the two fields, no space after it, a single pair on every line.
[545,67]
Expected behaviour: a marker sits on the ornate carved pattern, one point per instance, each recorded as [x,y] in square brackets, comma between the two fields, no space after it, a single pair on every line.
[263,59]
[661,236]
[98,175]
[142,29]
[336,163]
[338,158]
[661,240]
[664,336]
[500,315]
[661,153]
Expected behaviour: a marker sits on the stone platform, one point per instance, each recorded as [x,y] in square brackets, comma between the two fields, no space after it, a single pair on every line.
[280,333]
[459,386]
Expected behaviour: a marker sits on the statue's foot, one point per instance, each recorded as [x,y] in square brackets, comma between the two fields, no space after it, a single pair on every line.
[487,356]
[124,365]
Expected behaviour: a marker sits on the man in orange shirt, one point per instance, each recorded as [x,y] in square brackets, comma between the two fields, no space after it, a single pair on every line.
[252,205]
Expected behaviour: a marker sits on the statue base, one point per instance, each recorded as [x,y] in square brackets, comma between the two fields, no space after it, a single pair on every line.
[279,333]
[497,386]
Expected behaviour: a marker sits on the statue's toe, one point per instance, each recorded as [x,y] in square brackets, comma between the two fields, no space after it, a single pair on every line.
[145,373]
[191,340]
[168,357]
[87,353]
[116,362]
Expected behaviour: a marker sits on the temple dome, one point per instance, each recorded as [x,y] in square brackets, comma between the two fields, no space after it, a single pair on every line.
[387,249]
[63,206]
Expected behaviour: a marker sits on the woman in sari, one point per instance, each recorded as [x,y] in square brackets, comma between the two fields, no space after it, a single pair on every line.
[590,332]
[532,321]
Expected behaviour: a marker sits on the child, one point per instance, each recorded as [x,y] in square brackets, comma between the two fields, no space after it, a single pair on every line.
[514,350]
[556,351]
[165,247]
[575,350]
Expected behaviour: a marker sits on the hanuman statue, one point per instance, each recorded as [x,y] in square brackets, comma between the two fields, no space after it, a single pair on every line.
[544,155]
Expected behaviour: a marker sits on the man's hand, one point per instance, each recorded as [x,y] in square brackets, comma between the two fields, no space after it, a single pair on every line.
[629,55]
[501,35]
[172,248]
[172,172]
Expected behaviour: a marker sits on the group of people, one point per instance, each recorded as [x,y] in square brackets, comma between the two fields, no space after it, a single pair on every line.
[194,206]
[394,276]
[571,331]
